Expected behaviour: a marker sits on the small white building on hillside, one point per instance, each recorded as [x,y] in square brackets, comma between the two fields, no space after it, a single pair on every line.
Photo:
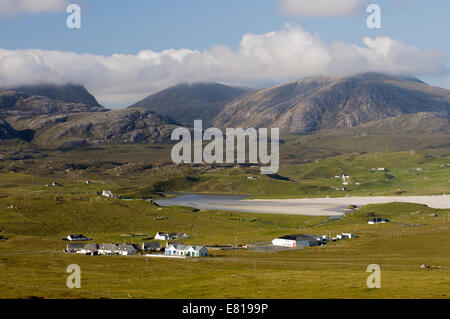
[170,236]
[108,193]
[78,237]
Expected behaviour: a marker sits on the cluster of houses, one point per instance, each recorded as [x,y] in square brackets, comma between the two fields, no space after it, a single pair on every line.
[103,249]
[345,181]
[92,249]
[308,240]
[133,249]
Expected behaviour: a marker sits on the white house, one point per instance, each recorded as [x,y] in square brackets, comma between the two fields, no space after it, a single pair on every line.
[125,249]
[77,237]
[107,193]
[183,250]
[383,169]
[164,236]
[107,249]
[89,249]
[74,248]
[348,235]
[296,241]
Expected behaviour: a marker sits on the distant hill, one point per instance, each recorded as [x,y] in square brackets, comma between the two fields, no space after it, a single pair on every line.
[67,93]
[14,103]
[187,102]
[338,110]
[124,126]
[319,103]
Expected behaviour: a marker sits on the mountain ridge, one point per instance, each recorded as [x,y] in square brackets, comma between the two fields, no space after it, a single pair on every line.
[313,104]
[186,102]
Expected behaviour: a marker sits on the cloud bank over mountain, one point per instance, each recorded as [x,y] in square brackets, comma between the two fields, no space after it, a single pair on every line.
[260,59]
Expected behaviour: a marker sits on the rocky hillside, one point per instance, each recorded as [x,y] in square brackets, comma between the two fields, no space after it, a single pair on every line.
[125,126]
[69,93]
[422,123]
[68,116]
[20,105]
[187,102]
[314,104]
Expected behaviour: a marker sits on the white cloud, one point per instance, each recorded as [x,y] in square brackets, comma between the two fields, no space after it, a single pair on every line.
[318,8]
[32,6]
[261,59]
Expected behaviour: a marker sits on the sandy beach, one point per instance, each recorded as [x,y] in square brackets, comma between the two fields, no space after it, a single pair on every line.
[301,206]
[336,206]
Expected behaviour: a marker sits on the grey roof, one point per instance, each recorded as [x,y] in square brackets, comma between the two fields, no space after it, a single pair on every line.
[91,247]
[197,248]
[126,247]
[111,247]
[178,246]
[74,246]
[152,244]
[309,237]
[186,247]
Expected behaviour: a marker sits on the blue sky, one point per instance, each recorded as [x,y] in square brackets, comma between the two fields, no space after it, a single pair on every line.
[129,27]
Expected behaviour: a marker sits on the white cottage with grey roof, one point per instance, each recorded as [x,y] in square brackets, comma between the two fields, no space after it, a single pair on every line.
[107,249]
[126,249]
[186,250]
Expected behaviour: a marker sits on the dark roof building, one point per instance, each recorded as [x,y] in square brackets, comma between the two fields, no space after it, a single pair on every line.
[151,245]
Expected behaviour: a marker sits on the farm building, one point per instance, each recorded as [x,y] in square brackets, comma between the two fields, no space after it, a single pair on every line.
[183,250]
[297,241]
[378,221]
